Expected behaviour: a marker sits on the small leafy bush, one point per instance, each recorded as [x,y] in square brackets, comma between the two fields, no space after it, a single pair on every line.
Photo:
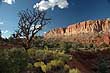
[33,61]
[74,71]
[56,66]
[12,61]
[47,55]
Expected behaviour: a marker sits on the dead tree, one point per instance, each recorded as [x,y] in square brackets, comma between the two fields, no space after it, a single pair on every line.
[30,23]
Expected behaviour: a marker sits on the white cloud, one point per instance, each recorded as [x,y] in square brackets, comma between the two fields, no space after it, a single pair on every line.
[45,5]
[45,32]
[1,23]
[4,32]
[62,4]
[37,26]
[9,1]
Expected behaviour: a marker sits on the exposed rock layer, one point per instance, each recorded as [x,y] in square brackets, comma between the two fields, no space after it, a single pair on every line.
[86,31]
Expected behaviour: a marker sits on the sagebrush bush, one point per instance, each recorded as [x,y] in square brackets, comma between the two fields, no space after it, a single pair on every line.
[49,61]
[47,55]
[55,66]
[33,61]
[74,71]
[13,60]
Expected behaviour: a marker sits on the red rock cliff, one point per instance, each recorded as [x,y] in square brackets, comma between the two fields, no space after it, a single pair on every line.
[90,27]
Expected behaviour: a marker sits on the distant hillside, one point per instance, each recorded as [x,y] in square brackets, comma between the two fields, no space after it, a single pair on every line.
[91,31]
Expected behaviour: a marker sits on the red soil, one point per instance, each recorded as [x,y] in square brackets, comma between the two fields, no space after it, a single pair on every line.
[87,62]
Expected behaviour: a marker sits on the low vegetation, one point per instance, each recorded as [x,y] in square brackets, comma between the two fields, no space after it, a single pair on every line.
[34,60]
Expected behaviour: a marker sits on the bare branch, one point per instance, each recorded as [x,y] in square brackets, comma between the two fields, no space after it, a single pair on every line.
[28,22]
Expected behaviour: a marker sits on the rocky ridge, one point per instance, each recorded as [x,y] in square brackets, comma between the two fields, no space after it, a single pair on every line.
[87,31]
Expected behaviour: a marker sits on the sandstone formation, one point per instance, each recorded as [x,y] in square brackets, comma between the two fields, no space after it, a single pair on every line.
[86,31]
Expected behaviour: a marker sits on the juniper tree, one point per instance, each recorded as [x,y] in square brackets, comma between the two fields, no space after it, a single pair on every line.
[30,23]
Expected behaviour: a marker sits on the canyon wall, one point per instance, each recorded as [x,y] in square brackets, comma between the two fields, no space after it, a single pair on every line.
[83,31]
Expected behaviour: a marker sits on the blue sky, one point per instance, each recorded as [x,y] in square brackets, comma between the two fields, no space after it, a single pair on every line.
[77,10]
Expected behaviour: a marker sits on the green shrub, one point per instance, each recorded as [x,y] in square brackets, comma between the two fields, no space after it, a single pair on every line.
[29,66]
[74,71]
[56,66]
[33,60]
[103,65]
[47,55]
[49,61]
[56,63]
[31,52]
[13,60]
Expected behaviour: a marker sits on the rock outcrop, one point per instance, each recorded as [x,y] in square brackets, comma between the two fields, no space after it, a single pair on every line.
[86,31]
